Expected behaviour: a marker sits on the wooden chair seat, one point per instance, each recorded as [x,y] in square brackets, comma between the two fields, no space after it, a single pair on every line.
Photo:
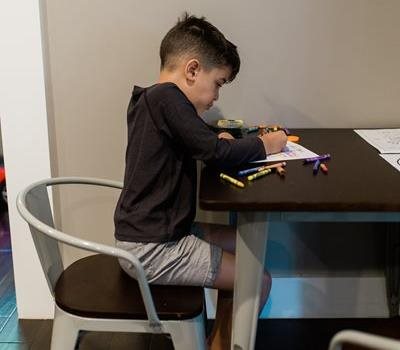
[97,287]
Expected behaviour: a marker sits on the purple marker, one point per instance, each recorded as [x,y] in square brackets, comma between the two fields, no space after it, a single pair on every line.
[316,167]
[313,159]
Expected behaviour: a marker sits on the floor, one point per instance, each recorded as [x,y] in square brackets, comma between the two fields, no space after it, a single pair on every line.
[272,334]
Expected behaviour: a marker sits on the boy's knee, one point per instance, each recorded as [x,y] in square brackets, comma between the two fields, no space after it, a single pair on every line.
[225,294]
[266,284]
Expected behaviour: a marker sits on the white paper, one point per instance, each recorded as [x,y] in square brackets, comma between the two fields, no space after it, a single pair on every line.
[292,151]
[385,140]
[392,159]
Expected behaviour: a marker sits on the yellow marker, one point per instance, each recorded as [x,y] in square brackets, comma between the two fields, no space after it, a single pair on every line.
[259,174]
[231,180]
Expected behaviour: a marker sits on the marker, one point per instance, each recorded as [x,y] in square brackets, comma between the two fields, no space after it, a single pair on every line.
[252,129]
[281,171]
[262,129]
[274,128]
[276,165]
[260,168]
[249,171]
[324,168]
[293,138]
[316,167]
[313,159]
[259,174]
[231,180]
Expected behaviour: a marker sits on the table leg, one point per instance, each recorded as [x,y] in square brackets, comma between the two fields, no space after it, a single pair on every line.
[251,245]
[392,270]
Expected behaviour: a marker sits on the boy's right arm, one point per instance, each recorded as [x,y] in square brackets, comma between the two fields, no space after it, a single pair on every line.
[274,142]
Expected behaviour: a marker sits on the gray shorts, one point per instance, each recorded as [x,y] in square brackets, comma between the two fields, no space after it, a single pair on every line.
[189,261]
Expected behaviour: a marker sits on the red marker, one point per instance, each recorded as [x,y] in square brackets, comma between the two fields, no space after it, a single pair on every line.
[324,168]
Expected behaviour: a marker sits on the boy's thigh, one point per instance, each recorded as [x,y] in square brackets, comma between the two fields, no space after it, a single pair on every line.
[188,261]
[226,274]
[223,236]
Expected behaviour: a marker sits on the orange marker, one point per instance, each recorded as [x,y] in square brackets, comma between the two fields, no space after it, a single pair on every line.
[324,168]
[293,138]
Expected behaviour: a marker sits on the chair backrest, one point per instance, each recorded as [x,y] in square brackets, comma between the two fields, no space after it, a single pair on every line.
[38,204]
[34,206]
[364,340]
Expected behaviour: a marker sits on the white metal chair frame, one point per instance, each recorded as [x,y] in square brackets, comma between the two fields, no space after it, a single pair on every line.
[185,334]
[369,341]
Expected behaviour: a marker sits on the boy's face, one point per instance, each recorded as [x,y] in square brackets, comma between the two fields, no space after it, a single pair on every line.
[204,89]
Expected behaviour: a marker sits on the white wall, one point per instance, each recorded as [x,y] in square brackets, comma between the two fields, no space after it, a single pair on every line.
[25,141]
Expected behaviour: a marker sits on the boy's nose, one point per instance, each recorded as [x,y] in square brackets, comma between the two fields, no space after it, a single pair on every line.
[216,96]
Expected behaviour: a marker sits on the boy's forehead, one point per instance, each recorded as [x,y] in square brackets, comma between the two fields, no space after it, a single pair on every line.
[222,72]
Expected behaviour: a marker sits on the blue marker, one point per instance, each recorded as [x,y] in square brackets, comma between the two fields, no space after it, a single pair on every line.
[248,171]
[316,167]
[252,129]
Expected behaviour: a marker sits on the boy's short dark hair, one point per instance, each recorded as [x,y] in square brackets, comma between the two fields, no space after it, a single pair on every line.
[193,35]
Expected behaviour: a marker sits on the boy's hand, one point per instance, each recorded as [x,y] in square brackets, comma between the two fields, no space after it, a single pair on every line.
[225,135]
[274,142]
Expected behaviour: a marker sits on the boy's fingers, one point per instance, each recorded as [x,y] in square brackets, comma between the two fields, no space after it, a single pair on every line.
[225,135]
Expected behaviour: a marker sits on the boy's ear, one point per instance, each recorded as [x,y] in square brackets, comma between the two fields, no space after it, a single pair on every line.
[192,69]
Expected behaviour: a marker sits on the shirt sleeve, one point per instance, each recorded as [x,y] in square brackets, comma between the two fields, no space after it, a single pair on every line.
[184,126]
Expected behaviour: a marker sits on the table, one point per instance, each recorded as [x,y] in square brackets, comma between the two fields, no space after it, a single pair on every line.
[360,187]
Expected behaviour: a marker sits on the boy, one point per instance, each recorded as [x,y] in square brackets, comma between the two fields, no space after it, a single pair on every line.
[156,209]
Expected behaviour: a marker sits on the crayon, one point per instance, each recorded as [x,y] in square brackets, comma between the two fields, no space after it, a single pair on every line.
[252,129]
[231,180]
[313,159]
[281,171]
[276,165]
[262,129]
[260,168]
[248,171]
[324,168]
[316,167]
[293,138]
[259,174]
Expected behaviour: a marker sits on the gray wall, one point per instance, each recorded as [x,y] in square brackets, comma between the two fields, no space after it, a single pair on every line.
[305,63]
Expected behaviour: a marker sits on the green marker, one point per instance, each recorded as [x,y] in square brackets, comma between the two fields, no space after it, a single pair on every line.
[259,174]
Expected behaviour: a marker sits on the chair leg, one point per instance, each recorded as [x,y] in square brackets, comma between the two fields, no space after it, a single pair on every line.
[188,335]
[65,333]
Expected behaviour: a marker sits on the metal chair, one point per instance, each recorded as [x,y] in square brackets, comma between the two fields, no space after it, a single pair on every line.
[368,341]
[94,294]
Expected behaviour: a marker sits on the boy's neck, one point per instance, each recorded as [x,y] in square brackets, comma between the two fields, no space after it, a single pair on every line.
[169,77]
[172,77]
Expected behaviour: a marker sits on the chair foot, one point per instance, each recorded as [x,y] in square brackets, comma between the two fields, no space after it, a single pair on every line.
[188,336]
[65,334]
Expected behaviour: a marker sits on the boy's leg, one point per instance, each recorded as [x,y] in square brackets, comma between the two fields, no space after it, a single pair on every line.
[225,237]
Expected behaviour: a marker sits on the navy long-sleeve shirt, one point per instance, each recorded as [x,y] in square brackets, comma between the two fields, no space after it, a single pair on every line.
[165,138]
